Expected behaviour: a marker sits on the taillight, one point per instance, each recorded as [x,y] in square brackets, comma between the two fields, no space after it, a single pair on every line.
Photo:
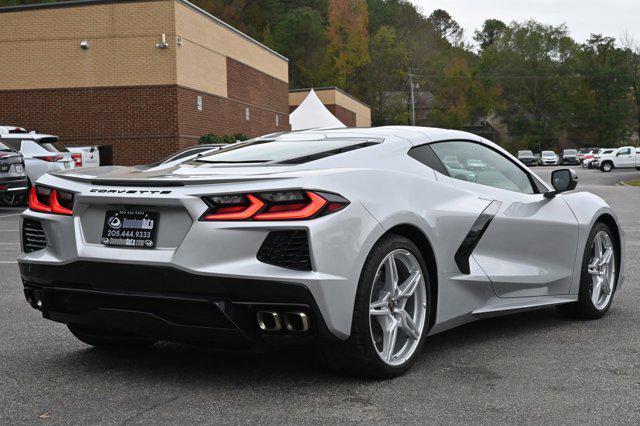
[49,158]
[276,205]
[77,158]
[47,200]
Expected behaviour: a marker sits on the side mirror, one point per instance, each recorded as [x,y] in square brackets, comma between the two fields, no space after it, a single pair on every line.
[562,180]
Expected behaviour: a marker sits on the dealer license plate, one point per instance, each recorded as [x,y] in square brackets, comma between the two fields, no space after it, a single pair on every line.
[130,228]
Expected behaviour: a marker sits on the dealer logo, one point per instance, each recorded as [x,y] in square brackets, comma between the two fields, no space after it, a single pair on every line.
[115,222]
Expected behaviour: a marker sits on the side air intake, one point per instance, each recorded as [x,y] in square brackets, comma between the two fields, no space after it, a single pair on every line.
[33,238]
[288,249]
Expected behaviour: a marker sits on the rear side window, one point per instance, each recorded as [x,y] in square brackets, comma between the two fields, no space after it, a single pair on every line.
[426,156]
[480,164]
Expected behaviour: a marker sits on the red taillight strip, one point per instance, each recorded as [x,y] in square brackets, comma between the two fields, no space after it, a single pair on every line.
[35,204]
[56,207]
[316,204]
[251,209]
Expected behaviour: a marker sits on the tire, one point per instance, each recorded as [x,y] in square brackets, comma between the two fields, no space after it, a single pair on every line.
[606,167]
[359,355]
[109,340]
[585,307]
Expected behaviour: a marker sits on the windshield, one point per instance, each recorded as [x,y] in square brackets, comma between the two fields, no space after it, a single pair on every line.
[525,153]
[570,152]
[548,154]
[4,147]
[266,151]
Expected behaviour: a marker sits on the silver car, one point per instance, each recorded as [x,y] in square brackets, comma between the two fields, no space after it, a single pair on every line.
[355,240]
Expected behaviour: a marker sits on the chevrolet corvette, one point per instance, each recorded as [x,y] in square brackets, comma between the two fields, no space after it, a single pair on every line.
[361,242]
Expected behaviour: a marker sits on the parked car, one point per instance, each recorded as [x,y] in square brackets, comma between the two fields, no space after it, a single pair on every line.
[586,153]
[13,180]
[452,162]
[595,163]
[461,174]
[42,153]
[475,164]
[569,156]
[183,156]
[352,242]
[527,158]
[85,156]
[625,157]
[549,158]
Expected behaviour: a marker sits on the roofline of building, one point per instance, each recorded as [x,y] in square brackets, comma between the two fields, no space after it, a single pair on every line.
[318,89]
[74,3]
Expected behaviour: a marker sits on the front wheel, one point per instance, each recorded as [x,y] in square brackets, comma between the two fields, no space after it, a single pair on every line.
[607,166]
[599,275]
[391,313]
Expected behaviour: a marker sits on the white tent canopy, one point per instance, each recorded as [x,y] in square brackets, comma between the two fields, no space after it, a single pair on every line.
[312,114]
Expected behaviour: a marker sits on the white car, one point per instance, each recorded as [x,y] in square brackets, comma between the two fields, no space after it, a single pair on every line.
[622,158]
[361,242]
[595,163]
[42,153]
[549,158]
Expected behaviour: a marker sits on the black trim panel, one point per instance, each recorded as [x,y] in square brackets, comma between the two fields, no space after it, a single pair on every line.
[474,235]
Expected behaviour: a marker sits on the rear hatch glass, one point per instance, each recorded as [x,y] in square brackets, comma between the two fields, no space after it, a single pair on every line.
[51,145]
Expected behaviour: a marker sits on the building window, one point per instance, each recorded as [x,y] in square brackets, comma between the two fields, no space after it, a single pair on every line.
[277,120]
[246,114]
[199,103]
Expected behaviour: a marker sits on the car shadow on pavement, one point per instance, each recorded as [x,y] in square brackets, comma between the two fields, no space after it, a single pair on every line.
[171,362]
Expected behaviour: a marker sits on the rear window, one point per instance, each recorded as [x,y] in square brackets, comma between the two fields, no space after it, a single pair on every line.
[284,151]
[13,143]
[51,145]
[5,147]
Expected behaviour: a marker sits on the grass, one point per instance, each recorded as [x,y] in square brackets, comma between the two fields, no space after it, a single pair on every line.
[632,182]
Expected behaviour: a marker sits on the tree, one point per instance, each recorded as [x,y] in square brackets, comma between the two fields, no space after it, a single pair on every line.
[446,26]
[348,38]
[491,31]
[301,36]
[632,52]
[384,76]
[606,78]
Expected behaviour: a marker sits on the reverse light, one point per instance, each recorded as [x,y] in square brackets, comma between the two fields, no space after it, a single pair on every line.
[47,200]
[276,205]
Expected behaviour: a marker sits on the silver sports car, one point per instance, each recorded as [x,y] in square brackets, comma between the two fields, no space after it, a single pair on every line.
[358,241]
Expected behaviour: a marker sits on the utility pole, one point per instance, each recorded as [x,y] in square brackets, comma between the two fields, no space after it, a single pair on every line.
[412,97]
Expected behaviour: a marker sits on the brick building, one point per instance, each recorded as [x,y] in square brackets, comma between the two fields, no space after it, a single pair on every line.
[147,77]
[349,110]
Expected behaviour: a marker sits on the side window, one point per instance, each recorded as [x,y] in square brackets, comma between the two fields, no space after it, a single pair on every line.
[426,156]
[626,151]
[477,163]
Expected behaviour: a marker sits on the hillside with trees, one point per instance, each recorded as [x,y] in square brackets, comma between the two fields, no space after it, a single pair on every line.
[526,84]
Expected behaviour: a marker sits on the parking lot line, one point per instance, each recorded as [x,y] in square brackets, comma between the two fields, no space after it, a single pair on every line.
[8,261]
[9,244]
[10,215]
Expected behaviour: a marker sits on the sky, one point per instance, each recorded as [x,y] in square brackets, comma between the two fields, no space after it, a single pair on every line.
[583,17]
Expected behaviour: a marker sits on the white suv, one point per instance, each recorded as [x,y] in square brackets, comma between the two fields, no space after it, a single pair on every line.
[42,153]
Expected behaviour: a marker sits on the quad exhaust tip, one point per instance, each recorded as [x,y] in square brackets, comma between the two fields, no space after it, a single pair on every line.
[272,321]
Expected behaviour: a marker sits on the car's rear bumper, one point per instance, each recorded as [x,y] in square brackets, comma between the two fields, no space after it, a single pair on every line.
[165,303]
[13,183]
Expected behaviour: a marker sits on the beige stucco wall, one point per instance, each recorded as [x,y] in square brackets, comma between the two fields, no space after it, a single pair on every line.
[202,57]
[41,48]
[335,97]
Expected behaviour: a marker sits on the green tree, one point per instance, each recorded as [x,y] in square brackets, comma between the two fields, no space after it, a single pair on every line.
[446,26]
[491,31]
[348,38]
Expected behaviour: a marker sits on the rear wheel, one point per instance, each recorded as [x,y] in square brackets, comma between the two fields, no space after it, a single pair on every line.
[108,339]
[391,313]
[599,276]
[607,166]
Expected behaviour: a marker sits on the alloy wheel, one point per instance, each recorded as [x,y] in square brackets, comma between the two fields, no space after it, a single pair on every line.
[602,269]
[397,307]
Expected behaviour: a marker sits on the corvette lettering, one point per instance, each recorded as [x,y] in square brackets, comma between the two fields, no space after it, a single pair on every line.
[129,191]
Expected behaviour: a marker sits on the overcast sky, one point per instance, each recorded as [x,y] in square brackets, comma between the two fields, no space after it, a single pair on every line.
[583,17]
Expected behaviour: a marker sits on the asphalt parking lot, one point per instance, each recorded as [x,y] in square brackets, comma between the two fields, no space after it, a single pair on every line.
[534,367]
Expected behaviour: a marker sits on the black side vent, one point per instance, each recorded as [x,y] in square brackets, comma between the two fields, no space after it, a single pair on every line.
[319,155]
[288,249]
[33,238]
